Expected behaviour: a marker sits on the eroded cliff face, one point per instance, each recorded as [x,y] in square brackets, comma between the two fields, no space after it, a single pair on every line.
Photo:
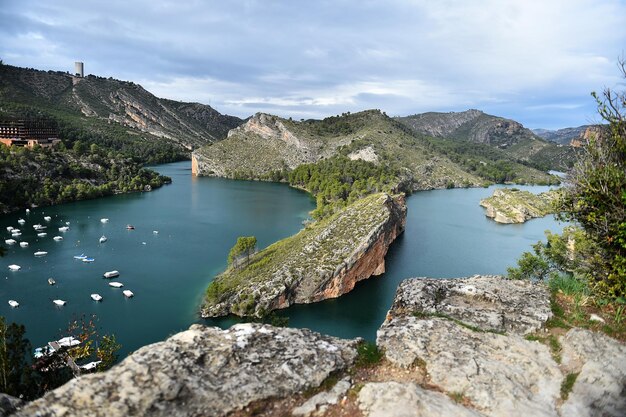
[323,261]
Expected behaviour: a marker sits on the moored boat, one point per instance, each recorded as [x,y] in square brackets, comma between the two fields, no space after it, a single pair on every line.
[96,297]
[64,229]
[9,228]
[16,234]
[89,260]
[24,244]
[42,234]
[104,220]
[68,341]
[90,366]
[128,293]
[14,267]
[116,284]
[51,281]
[80,257]
[58,238]
[130,227]
[111,274]
[103,239]
[14,303]
[41,253]
[21,221]
[59,302]
[47,218]
[10,241]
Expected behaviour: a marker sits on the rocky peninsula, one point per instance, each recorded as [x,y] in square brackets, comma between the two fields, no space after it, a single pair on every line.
[510,205]
[324,260]
[455,347]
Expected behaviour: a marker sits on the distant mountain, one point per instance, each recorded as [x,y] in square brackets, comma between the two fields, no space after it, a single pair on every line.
[507,135]
[94,108]
[267,143]
[564,136]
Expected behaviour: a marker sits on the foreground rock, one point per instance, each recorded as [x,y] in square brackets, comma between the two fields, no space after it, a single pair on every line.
[485,301]
[322,261]
[203,371]
[446,328]
[510,205]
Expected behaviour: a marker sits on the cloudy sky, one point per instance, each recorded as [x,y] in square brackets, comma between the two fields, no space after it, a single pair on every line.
[535,61]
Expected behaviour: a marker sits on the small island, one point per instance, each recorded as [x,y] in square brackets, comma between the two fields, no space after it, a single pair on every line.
[511,205]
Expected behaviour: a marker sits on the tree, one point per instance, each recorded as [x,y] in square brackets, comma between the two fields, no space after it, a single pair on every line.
[596,196]
[245,246]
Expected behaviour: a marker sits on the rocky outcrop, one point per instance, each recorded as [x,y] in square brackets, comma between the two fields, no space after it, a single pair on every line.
[448,329]
[323,261]
[489,302]
[203,371]
[9,405]
[510,205]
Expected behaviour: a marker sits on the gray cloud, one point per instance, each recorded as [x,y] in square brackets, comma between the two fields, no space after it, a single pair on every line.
[534,61]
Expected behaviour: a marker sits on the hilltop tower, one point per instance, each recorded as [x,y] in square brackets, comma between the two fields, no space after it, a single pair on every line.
[78,69]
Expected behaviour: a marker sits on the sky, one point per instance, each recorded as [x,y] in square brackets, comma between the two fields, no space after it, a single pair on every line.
[534,61]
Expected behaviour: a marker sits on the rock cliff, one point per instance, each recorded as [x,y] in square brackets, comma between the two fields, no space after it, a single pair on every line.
[509,205]
[450,348]
[325,260]
[267,143]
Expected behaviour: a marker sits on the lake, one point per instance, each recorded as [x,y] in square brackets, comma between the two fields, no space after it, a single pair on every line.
[198,221]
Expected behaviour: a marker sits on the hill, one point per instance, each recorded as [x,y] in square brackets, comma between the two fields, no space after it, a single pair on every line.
[115,114]
[569,135]
[268,144]
[515,141]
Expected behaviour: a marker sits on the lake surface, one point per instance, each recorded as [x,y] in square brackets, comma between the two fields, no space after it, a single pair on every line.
[198,220]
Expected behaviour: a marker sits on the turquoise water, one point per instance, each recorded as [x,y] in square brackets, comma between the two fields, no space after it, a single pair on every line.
[198,220]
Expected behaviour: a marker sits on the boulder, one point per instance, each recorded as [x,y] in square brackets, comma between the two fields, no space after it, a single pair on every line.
[203,371]
[489,302]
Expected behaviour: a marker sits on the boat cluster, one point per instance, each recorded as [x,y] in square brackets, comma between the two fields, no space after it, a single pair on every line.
[57,345]
[15,232]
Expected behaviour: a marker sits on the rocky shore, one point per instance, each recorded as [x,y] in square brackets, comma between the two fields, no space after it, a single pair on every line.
[510,205]
[457,347]
[325,260]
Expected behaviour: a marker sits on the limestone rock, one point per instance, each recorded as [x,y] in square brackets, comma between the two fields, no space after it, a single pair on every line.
[509,205]
[488,302]
[203,371]
[319,402]
[600,388]
[323,261]
[393,399]
[501,375]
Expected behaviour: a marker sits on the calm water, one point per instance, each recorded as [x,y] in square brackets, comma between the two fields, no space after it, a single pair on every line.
[198,220]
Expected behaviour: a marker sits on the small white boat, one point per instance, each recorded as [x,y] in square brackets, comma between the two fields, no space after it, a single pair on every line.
[68,341]
[15,267]
[89,260]
[41,253]
[96,297]
[10,241]
[128,293]
[51,281]
[24,244]
[42,234]
[103,239]
[80,257]
[58,238]
[21,221]
[64,229]
[39,227]
[59,302]
[67,223]
[43,351]
[27,211]
[16,234]
[155,232]
[16,230]
[14,303]
[89,366]
[104,220]
[9,228]
[116,284]
[111,274]
[130,227]
[47,218]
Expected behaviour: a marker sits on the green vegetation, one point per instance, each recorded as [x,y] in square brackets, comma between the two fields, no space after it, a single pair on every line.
[46,176]
[567,385]
[245,246]
[368,354]
[339,181]
[510,205]
[596,198]
[23,376]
